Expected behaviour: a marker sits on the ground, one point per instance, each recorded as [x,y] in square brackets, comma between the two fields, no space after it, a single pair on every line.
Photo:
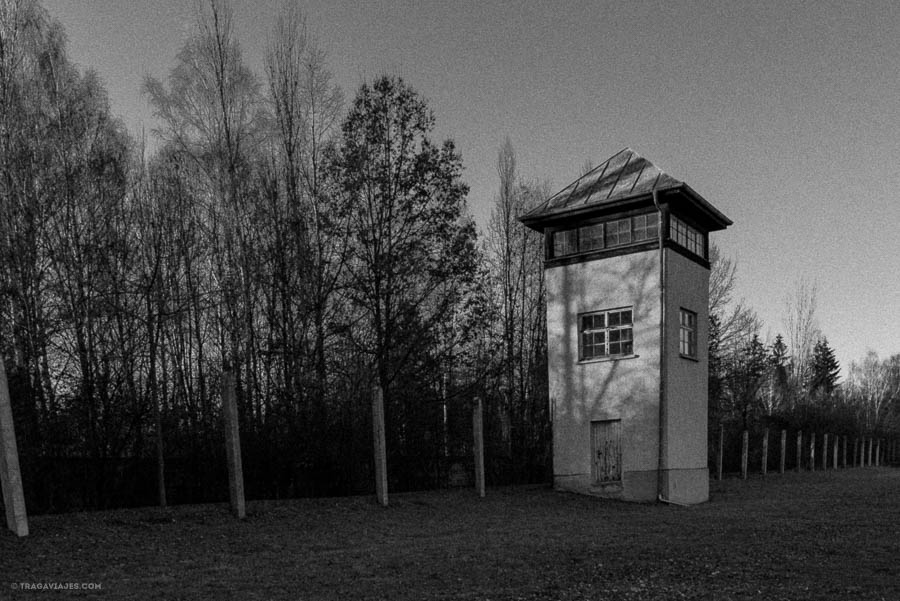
[833,535]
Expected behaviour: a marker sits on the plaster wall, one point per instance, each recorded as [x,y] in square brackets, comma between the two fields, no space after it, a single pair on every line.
[686,389]
[625,389]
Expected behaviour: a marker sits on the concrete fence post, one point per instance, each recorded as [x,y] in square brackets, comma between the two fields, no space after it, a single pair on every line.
[765,452]
[744,449]
[478,438]
[844,464]
[878,452]
[10,474]
[871,449]
[233,446]
[834,453]
[721,457]
[825,451]
[783,451]
[812,452]
[799,450]
[379,446]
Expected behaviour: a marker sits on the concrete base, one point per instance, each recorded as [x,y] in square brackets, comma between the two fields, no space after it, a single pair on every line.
[688,487]
[634,486]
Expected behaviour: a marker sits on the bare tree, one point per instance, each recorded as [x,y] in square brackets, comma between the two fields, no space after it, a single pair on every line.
[874,386]
[516,255]
[802,330]
[306,107]
[736,321]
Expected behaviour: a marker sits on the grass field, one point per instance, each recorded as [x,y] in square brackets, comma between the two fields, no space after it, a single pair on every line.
[833,535]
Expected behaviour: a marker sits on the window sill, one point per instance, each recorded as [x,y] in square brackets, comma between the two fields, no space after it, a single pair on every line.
[607,359]
[689,358]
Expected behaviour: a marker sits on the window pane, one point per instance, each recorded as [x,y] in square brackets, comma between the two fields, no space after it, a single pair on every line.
[614,335]
[626,317]
[624,231]
[615,348]
[614,318]
[564,242]
[627,348]
[625,334]
[590,237]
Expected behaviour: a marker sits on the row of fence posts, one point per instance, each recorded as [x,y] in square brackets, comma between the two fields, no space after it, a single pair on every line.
[11,481]
[233,446]
[867,451]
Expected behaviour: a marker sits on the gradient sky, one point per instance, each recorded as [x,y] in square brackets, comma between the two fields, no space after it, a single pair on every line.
[784,115]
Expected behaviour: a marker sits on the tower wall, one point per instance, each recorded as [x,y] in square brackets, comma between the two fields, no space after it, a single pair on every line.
[624,389]
[687,396]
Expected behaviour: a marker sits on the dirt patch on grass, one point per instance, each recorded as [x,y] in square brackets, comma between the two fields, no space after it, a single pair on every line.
[833,535]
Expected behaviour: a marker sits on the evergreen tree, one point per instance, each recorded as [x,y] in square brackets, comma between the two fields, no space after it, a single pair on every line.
[825,369]
[778,386]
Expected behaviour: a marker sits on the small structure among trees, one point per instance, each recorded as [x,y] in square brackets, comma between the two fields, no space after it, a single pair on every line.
[627,278]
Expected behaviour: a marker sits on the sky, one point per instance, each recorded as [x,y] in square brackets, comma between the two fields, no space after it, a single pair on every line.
[783,115]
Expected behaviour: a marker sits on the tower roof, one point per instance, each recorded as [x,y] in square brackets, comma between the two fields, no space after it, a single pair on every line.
[623,177]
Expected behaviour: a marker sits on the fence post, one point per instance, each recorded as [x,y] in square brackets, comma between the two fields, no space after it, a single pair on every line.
[878,452]
[765,452]
[379,444]
[845,451]
[825,451]
[783,450]
[812,452]
[871,448]
[478,435]
[744,444]
[834,454]
[721,449]
[10,474]
[855,462]
[233,446]
[799,449]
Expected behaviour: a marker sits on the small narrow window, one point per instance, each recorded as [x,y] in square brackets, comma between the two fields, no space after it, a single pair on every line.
[606,334]
[687,337]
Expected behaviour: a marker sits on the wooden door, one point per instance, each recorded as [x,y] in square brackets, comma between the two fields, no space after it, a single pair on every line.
[606,451]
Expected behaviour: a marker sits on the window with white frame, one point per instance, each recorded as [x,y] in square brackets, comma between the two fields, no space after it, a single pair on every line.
[605,334]
[687,334]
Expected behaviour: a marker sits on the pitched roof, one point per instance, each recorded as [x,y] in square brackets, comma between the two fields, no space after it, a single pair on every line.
[626,174]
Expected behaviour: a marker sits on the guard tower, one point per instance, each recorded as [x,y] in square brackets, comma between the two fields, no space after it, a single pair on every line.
[627,276]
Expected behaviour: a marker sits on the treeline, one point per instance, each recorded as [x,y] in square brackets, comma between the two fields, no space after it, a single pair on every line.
[313,247]
[793,382]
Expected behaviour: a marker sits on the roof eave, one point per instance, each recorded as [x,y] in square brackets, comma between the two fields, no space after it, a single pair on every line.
[715,215]
[540,221]
[537,222]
